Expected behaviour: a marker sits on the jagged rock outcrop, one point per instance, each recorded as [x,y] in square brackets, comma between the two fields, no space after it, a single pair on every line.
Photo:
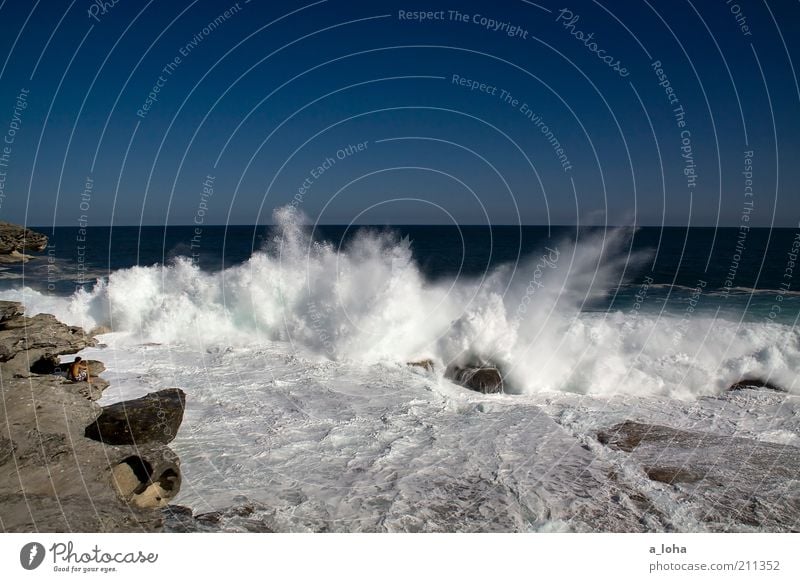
[25,340]
[52,478]
[9,309]
[15,240]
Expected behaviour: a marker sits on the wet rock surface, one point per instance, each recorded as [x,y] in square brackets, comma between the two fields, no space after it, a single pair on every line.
[426,364]
[755,384]
[729,482]
[484,378]
[243,516]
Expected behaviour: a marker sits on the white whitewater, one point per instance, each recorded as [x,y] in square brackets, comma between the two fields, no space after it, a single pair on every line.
[369,303]
[299,397]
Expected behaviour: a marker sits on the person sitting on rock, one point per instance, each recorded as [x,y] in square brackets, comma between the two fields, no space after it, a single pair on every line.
[78,371]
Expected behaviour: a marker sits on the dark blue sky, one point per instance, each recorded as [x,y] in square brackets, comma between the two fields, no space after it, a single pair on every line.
[266,95]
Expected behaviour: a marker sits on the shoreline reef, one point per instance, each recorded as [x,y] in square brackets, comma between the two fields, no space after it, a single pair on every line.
[63,463]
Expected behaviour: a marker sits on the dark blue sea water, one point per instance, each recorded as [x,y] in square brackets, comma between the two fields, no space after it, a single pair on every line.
[738,274]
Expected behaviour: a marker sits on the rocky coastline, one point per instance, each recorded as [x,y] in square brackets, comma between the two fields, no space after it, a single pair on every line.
[16,240]
[66,463]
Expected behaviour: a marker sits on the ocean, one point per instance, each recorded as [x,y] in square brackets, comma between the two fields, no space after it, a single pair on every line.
[292,342]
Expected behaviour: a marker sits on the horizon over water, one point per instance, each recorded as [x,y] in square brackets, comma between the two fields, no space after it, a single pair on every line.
[681,262]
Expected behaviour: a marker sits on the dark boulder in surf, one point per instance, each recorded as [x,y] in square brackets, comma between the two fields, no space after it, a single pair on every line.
[755,384]
[484,378]
[154,418]
[628,435]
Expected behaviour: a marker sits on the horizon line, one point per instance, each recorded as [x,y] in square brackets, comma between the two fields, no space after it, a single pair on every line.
[450,225]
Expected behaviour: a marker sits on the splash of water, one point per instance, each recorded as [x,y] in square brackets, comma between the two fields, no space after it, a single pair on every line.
[369,302]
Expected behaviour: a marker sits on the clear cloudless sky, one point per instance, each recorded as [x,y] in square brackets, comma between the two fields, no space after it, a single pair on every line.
[561,118]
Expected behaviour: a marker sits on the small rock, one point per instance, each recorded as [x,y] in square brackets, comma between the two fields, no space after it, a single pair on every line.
[627,435]
[178,511]
[755,384]
[96,367]
[424,364]
[210,517]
